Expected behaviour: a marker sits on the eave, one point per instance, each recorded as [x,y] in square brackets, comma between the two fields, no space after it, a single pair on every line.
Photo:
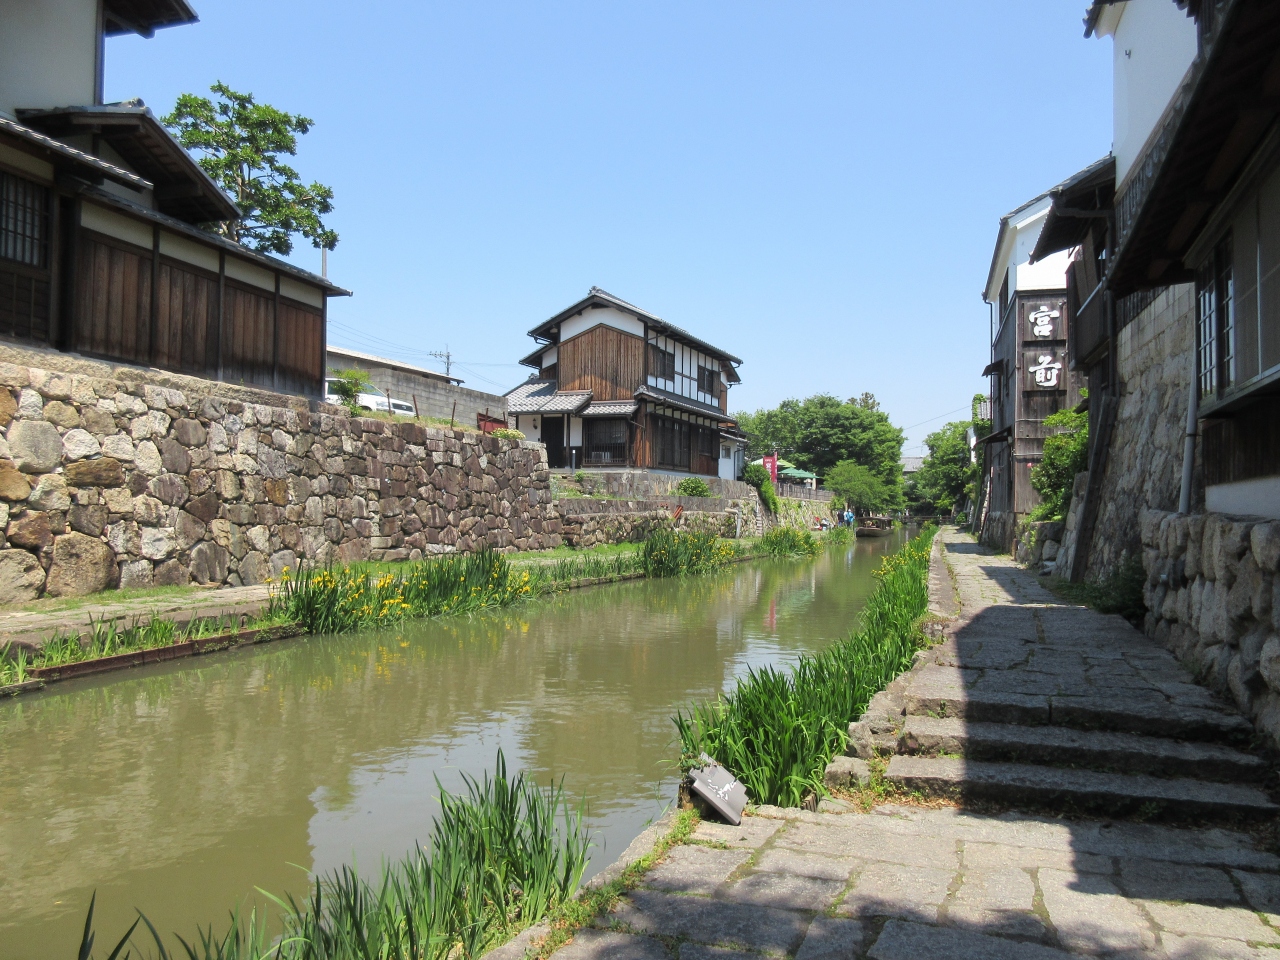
[144,17]
[182,188]
[68,159]
[1210,130]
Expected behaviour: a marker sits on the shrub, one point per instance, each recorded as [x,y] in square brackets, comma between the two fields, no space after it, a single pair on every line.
[348,385]
[758,477]
[783,542]
[778,730]
[1066,453]
[506,433]
[693,487]
[580,477]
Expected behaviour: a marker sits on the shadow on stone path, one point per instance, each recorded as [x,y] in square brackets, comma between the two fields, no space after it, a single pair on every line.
[1025,700]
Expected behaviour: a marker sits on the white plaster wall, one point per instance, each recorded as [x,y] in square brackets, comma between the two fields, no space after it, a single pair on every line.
[550,355]
[606,315]
[530,426]
[1248,498]
[1047,274]
[1153,45]
[48,53]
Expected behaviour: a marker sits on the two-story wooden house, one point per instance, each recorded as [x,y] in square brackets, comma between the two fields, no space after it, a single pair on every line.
[102,250]
[1029,368]
[617,386]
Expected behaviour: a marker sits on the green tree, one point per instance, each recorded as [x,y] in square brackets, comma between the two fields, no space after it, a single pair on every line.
[1066,453]
[819,432]
[981,428]
[239,143]
[347,385]
[861,489]
[948,467]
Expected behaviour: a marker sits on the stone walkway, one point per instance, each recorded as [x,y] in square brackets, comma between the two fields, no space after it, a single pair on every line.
[34,626]
[907,882]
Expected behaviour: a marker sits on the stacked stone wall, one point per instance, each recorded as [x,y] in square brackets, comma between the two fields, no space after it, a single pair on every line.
[799,514]
[646,485]
[1213,596]
[108,482]
[589,523]
[1155,358]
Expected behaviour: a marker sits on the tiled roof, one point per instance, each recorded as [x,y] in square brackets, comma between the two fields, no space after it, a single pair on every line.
[611,408]
[679,402]
[541,396]
[911,464]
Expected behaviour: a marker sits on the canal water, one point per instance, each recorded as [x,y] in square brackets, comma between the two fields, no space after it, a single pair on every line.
[180,788]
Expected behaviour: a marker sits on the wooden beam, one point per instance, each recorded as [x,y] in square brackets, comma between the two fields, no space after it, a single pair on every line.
[222,311]
[153,326]
[275,336]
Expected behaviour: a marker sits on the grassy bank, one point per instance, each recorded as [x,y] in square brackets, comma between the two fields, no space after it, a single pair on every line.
[337,600]
[502,856]
[779,729]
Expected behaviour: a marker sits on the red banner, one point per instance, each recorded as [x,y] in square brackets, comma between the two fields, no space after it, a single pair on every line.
[771,464]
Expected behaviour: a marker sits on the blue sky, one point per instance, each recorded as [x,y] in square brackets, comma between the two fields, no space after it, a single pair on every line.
[815,187]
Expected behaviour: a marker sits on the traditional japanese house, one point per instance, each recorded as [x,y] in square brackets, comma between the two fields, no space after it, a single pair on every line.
[1029,368]
[617,386]
[102,246]
[1174,293]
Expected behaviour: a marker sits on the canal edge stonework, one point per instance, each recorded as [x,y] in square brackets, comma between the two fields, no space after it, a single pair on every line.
[107,482]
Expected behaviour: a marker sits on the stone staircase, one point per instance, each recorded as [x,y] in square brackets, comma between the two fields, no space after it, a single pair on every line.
[1028,702]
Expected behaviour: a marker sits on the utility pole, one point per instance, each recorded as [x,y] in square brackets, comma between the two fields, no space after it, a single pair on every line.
[446,356]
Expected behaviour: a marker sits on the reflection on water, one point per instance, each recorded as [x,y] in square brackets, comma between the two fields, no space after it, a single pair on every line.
[180,787]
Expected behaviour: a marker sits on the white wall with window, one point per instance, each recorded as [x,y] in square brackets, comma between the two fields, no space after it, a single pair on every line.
[684,370]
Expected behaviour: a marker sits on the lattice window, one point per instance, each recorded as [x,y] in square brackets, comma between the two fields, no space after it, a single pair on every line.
[1215,322]
[24,221]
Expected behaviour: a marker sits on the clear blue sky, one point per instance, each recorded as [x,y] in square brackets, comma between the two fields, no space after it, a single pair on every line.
[815,187]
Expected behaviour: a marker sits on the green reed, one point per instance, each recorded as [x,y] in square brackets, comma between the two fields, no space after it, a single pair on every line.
[838,537]
[788,542]
[502,855]
[340,599]
[778,729]
[676,553]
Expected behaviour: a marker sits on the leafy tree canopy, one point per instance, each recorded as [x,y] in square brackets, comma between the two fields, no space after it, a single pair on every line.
[861,489]
[821,431]
[239,143]
[947,469]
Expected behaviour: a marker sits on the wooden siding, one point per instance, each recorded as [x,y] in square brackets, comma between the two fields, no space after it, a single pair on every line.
[186,320]
[1245,446]
[24,303]
[604,360]
[236,340]
[113,300]
[301,360]
[248,346]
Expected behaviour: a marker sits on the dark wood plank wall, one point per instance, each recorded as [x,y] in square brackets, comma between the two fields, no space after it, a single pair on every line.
[113,319]
[301,359]
[606,361]
[113,300]
[186,320]
[24,302]
[248,342]
[642,446]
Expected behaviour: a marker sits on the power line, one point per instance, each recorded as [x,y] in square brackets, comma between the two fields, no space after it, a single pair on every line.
[938,417]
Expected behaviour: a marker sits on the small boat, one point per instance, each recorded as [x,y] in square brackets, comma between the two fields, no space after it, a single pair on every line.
[874,527]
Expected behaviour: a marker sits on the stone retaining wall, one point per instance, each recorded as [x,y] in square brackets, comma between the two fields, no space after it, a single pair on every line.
[1213,596]
[108,482]
[647,485]
[588,522]
[799,513]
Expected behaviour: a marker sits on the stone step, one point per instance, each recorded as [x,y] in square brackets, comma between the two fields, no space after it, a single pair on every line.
[1125,715]
[1064,746]
[1078,791]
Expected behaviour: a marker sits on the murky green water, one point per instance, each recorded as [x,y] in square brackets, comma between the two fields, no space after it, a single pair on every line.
[179,788]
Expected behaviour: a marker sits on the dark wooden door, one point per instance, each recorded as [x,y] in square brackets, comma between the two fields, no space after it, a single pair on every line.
[553,437]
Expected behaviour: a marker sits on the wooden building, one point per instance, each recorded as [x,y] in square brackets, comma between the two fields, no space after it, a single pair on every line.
[617,386]
[1029,369]
[102,250]
[1174,290]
